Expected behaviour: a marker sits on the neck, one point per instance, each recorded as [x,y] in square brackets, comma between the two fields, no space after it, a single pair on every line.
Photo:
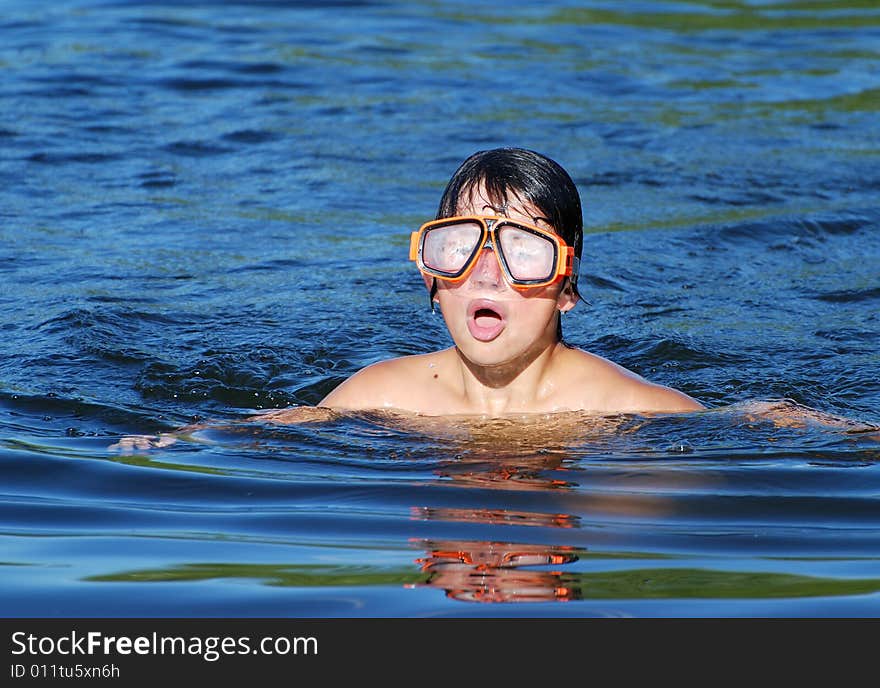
[509,387]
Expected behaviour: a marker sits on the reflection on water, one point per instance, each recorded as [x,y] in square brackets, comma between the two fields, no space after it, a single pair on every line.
[499,572]
[477,571]
[493,571]
[517,571]
[502,571]
[495,517]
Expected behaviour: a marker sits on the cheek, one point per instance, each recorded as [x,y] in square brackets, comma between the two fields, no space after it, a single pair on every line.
[541,297]
[536,310]
[451,304]
[550,292]
[539,307]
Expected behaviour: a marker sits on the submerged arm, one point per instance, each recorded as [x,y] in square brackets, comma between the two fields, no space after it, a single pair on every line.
[131,443]
[790,414]
[288,416]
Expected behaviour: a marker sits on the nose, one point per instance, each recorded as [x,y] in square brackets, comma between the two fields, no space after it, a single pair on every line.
[487,271]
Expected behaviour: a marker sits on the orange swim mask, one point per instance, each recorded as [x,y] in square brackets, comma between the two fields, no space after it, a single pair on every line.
[529,256]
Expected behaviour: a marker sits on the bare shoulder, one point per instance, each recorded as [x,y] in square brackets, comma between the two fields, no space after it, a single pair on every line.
[650,397]
[396,383]
[602,385]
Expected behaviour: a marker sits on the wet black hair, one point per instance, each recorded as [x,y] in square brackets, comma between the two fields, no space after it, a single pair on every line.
[516,175]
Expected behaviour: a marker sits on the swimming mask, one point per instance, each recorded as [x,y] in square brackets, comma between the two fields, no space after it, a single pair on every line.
[529,256]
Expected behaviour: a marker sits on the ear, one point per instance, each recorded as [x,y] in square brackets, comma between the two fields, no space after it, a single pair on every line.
[567,298]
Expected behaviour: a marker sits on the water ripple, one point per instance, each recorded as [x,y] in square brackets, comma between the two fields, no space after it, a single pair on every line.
[206,209]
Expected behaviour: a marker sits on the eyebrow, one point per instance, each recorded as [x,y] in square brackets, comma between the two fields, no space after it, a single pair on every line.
[502,210]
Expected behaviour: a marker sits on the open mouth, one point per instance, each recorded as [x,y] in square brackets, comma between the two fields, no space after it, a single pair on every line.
[485,320]
[486,317]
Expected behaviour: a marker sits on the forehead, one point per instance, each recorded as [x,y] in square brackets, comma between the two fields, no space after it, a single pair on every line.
[478,201]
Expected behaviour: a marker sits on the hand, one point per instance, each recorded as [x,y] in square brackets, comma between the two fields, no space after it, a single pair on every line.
[132,443]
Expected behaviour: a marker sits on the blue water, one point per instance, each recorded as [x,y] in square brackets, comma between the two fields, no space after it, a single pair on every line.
[205,210]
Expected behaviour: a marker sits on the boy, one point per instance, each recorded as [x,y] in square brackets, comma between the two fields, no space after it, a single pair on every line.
[501,261]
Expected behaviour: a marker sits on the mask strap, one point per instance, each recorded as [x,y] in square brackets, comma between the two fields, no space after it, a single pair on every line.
[432,294]
[573,282]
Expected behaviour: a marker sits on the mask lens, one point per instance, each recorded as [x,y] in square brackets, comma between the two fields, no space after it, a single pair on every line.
[530,257]
[448,248]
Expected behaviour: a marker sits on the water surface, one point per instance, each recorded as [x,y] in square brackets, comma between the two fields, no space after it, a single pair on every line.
[204,213]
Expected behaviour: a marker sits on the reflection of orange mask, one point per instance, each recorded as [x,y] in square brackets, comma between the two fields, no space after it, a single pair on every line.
[490,572]
[504,586]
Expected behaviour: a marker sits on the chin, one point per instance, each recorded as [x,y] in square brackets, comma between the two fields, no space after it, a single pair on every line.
[488,354]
